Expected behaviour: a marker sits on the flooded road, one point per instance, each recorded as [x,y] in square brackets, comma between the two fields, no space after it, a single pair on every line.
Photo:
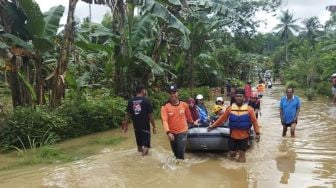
[309,160]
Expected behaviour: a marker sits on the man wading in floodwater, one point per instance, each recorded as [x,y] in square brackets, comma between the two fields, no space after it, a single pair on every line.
[141,111]
[174,115]
[241,118]
[289,111]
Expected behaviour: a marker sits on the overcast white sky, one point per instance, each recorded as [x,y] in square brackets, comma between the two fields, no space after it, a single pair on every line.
[301,8]
[82,9]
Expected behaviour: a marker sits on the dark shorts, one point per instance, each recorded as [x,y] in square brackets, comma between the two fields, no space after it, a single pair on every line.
[178,145]
[290,124]
[238,144]
[142,138]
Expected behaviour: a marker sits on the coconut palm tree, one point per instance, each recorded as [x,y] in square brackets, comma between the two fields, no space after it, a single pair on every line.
[311,24]
[286,28]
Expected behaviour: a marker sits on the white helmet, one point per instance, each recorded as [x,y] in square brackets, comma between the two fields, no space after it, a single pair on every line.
[333,75]
[219,99]
[199,97]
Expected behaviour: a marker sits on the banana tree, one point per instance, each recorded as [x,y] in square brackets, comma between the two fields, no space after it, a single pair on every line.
[140,46]
[39,29]
[211,22]
[58,84]
[95,58]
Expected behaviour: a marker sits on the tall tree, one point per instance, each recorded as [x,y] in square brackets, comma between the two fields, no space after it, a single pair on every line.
[286,28]
[58,85]
[311,24]
[25,40]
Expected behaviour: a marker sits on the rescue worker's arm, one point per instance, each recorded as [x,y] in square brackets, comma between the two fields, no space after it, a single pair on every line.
[254,122]
[223,118]
[152,121]
[149,109]
[164,117]
[124,124]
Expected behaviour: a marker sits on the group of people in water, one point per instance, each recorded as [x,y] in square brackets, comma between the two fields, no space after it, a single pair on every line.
[177,117]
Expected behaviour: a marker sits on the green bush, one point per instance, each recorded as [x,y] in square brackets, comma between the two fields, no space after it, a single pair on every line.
[92,116]
[30,128]
[293,84]
[157,99]
[324,88]
[205,91]
[237,82]
[310,93]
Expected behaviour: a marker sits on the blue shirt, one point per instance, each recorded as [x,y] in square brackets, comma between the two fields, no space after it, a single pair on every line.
[289,108]
[203,113]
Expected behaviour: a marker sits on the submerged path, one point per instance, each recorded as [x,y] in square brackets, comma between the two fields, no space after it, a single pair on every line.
[306,161]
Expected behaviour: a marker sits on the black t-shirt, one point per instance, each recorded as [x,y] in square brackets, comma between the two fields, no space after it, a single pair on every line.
[139,108]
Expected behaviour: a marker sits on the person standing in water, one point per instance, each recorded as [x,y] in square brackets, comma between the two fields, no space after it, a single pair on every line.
[260,89]
[254,102]
[175,115]
[241,118]
[193,110]
[248,90]
[141,111]
[289,111]
[202,111]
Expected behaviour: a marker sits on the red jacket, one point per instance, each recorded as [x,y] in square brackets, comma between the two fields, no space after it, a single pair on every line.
[248,91]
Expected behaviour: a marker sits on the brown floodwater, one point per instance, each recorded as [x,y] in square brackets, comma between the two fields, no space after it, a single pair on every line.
[309,160]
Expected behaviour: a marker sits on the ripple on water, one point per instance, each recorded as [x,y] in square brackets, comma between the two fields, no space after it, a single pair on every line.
[306,161]
[91,172]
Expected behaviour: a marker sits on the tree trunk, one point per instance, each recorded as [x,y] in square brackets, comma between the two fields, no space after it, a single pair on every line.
[20,94]
[39,83]
[286,46]
[119,74]
[191,68]
[58,85]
